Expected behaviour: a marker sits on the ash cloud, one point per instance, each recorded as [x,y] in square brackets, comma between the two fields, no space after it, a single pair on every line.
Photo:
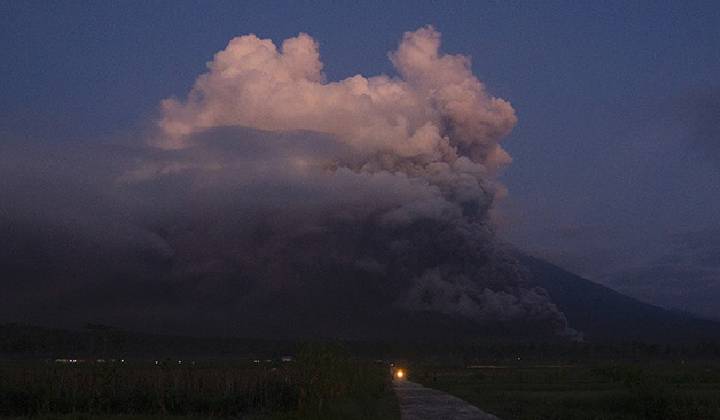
[437,111]
[269,192]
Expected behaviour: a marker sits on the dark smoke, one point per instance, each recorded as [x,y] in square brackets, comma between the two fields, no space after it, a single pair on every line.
[351,208]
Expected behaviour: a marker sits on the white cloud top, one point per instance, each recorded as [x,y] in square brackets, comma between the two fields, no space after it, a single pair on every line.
[436,111]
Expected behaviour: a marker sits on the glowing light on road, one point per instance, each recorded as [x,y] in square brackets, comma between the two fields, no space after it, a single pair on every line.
[399,374]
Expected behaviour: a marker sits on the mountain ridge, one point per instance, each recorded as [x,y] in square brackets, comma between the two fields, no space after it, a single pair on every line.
[604,314]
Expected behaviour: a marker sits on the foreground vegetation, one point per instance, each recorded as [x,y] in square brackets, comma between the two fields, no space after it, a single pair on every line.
[516,381]
[658,391]
[325,382]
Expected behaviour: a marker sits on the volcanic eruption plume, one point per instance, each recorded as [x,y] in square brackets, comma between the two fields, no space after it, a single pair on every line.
[401,184]
[271,191]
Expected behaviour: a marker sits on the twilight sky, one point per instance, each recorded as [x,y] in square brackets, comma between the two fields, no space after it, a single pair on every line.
[616,151]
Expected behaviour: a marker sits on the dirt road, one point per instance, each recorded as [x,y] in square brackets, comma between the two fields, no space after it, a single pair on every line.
[420,403]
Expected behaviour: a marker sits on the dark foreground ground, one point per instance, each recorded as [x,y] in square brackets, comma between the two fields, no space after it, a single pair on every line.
[328,385]
[627,391]
[323,382]
[345,381]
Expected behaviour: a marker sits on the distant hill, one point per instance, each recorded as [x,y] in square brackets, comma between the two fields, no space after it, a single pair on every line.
[603,314]
[361,309]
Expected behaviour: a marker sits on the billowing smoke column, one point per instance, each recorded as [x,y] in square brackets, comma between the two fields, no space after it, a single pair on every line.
[437,112]
[272,202]
[386,181]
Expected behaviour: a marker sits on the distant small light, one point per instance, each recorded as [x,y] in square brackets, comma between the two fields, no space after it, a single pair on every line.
[157,362]
[179,362]
[122,360]
[399,374]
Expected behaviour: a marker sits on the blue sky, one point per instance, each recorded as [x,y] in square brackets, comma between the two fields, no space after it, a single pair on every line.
[616,156]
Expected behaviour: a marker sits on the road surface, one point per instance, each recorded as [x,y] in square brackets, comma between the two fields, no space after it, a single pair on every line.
[420,403]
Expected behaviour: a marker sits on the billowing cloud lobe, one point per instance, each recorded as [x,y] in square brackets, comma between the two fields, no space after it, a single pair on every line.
[270,190]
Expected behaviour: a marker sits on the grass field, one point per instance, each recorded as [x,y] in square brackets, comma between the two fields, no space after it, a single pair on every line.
[325,382]
[601,392]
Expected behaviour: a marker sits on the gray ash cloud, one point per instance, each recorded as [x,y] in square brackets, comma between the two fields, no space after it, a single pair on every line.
[271,193]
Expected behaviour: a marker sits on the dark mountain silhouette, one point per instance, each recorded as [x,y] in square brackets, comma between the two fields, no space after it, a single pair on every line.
[363,315]
[603,314]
